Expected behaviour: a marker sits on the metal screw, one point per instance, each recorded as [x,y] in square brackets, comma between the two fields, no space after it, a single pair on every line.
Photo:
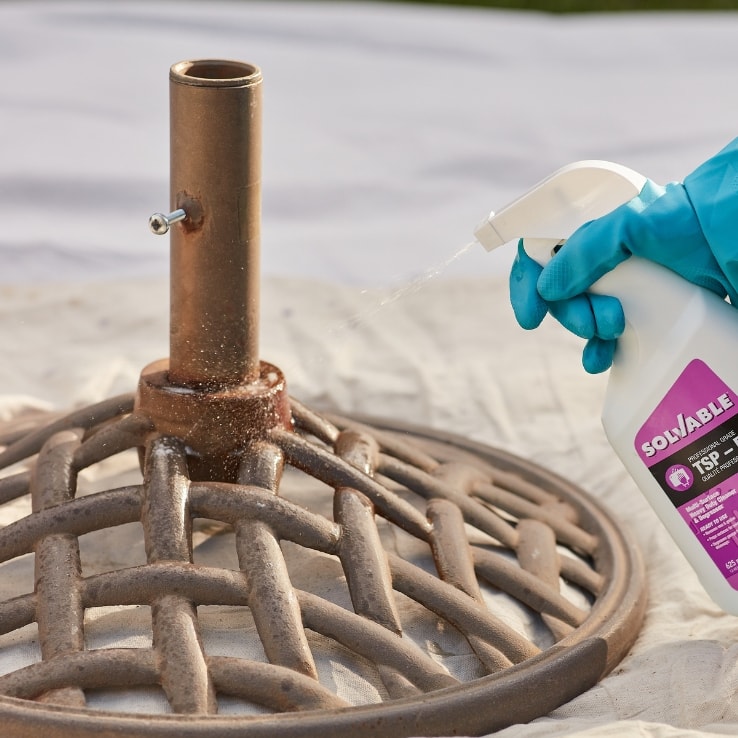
[160,223]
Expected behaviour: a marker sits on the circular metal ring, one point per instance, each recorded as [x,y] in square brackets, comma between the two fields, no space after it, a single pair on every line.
[493,527]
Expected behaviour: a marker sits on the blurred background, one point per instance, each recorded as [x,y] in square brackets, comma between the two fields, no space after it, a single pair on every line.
[390,129]
[591,6]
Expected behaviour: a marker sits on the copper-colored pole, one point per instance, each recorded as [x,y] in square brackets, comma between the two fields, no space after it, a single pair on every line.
[215,133]
[213,392]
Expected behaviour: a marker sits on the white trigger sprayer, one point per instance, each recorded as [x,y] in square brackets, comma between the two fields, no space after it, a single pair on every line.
[671,405]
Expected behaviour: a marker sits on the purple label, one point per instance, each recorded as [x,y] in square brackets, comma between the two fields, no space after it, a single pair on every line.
[690,445]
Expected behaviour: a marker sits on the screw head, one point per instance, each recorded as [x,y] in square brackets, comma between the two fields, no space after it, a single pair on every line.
[159,224]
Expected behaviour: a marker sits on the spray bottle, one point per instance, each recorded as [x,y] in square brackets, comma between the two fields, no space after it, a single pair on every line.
[671,404]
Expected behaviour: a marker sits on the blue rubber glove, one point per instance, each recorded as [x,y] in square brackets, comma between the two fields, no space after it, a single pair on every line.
[690,228]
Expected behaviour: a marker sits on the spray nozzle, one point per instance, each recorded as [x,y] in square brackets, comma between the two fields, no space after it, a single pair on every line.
[554,208]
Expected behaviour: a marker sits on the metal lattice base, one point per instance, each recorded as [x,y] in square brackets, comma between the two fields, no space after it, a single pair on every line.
[459,589]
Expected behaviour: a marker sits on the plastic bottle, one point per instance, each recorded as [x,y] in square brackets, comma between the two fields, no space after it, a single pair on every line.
[671,405]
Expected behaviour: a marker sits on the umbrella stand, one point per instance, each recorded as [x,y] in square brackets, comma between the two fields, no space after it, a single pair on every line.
[361,577]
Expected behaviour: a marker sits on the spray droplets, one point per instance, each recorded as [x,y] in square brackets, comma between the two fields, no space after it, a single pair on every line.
[405,290]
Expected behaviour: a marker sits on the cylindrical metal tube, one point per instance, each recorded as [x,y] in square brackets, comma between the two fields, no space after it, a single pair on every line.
[215,135]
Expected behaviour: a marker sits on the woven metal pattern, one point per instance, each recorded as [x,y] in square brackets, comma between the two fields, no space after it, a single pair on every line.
[489,531]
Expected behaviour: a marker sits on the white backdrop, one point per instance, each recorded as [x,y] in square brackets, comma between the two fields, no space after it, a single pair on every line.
[390,131]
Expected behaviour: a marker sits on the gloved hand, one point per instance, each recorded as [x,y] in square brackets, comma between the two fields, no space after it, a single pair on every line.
[690,228]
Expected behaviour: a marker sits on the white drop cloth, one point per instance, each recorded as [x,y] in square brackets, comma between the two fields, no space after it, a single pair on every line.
[390,131]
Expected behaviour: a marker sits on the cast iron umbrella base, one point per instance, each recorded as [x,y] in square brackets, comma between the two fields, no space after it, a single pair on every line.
[481,527]
[369,579]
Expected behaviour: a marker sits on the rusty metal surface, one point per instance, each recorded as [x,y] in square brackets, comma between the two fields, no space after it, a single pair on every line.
[217,420]
[215,160]
[214,392]
[376,580]
[491,524]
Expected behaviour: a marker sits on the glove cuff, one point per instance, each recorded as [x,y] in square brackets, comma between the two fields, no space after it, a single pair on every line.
[713,191]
